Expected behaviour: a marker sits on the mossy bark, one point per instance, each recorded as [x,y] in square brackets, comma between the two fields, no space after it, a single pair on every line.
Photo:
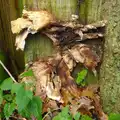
[110,68]
[93,10]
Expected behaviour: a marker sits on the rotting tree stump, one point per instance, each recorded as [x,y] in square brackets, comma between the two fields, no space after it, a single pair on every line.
[62,11]
[72,42]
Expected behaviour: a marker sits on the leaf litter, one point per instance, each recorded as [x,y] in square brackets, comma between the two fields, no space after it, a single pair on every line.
[54,82]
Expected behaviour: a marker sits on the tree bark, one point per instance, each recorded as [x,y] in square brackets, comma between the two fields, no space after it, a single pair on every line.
[39,45]
[8,12]
[110,68]
[90,11]
[93,10]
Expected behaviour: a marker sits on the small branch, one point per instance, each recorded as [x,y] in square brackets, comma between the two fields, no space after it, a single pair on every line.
[50,112]
[7,71]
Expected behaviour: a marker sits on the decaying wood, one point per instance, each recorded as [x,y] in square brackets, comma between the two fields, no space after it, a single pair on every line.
[72,32]
[53,75]
[60,33]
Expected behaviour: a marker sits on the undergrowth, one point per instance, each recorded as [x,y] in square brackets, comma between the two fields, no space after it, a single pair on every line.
[17,101]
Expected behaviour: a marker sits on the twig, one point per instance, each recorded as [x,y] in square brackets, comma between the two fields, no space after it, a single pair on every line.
[50,112]
[7,71]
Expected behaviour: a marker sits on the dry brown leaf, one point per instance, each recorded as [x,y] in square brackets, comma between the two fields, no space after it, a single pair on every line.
[53,89]
[87,93]
[47,83]
[69,61]
[83,105]
[42,76]
[86,103]
[49,104]
[67,81]
[76,54]
[84,54]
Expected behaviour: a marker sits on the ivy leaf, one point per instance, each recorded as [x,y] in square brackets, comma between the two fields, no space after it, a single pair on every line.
[1,96]
[81,76]
[23,97]
[27,74]
[8,109]
[114,116]
[6,84]
[77,116]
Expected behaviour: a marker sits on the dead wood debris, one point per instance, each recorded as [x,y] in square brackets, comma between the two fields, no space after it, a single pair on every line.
[60,33]
[30,22]
[54,83]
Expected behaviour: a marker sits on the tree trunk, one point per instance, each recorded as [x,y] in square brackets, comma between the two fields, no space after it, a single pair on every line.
[8,12]
[110,68]
[90,11]
[93,10]
[39,45]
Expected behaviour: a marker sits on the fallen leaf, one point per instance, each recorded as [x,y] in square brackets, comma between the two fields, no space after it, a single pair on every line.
[49,104]
[69,61]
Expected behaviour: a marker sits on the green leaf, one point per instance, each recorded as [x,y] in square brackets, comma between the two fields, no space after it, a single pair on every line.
[114,116]
[6,84]
[16,87]
[25,113]
[81,76]
[65,111]
[64,115]
[77,116]
[27,74]
[34,108]
[8,97]
[23,97]
[86,117]
[8,109]
[1,96]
